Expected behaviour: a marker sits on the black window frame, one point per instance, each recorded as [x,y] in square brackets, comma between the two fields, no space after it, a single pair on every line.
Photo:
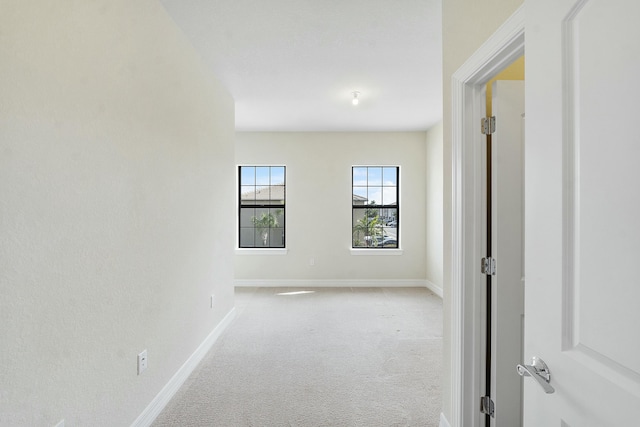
[359,209]
[271,205]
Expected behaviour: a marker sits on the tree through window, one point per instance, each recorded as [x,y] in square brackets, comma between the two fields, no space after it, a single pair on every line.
[375,207]
[262,206]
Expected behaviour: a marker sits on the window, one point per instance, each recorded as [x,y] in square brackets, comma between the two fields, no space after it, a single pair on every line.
[375,207]
[262,206]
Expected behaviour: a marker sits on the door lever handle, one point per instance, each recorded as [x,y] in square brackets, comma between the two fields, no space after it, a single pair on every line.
[539,371]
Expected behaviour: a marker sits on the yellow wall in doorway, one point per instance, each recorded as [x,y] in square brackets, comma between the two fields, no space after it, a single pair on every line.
[515,71]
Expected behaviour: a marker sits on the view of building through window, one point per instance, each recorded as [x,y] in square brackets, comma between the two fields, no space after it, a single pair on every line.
[375,207]
[262,206]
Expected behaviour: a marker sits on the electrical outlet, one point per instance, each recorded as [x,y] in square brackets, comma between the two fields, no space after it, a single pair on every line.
[312,261]
[142,362]
[213,300]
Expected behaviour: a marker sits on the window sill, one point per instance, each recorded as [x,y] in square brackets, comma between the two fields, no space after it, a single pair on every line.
[389,252]
[259,251]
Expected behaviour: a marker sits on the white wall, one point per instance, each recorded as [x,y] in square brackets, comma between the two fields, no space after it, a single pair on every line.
[116,148]
[318,223]
[434,226]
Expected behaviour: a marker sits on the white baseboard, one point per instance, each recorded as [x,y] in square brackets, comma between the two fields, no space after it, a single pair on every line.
[332,283]
[160,401]
[443,421]
[434,288]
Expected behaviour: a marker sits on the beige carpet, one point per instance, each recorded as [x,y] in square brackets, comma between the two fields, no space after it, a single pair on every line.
[327,357]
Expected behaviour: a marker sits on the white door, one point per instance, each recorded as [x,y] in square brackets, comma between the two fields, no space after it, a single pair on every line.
[507,249]
[582,210]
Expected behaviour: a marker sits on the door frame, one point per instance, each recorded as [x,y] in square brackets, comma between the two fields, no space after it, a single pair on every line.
[467,245]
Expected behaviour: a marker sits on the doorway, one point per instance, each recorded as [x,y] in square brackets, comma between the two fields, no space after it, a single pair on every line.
[468,246]
[503,202]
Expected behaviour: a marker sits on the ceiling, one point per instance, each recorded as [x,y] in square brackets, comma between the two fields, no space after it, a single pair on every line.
[292,65]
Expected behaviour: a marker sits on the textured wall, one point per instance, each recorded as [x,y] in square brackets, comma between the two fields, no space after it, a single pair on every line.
[434,229]
[116,149]
[466,24]
[319,204]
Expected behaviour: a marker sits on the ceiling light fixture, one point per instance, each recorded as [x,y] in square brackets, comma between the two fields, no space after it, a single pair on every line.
[355,99]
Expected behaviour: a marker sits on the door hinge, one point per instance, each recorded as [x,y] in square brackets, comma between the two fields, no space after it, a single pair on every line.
[488,266]
[487,406]
[488,125]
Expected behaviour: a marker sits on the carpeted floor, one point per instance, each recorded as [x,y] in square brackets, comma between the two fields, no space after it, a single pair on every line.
[327,357]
